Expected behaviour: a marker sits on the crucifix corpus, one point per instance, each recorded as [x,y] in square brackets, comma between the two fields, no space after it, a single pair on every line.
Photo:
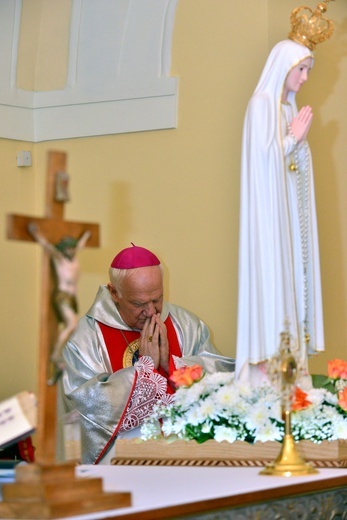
[61,241]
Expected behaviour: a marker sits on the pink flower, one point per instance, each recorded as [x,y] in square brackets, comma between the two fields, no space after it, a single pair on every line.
[343,399]
[300,401]
[186,376]
[337,369]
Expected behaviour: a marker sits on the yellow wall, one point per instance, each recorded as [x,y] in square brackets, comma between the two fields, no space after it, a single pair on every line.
[44,41]
[177,191]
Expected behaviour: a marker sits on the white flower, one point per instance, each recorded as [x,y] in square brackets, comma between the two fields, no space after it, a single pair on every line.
[340,428]
[218,379]
[208,408]
[330,413]
[193,415]
[207,427]
[340,384]
[227,397]
[174,426]
[316,396]
[185,397]
[222,433]
[150,430]
[222,408]
[257,416]
[244,389]
[268,432]
[331,398]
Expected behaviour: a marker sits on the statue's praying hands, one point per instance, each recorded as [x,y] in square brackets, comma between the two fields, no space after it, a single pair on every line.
[301,123]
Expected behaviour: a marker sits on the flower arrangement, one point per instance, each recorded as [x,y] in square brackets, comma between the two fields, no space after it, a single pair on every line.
[217,406]
[336,382]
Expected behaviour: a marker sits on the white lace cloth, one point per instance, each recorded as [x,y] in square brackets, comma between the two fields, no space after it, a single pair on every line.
[150,389]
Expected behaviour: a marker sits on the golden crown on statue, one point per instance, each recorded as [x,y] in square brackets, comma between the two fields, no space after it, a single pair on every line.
[310,27]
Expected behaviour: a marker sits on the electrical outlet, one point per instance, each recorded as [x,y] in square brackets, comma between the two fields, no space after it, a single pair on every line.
[23,158]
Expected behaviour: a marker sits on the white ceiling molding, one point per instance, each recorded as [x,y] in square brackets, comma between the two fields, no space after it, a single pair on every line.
[118,73]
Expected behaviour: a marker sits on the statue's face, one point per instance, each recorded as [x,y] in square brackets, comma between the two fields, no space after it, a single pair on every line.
[298,75]
[67,246]
[69,252]
[141,296]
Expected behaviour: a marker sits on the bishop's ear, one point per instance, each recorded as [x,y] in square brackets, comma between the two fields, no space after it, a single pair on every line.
[113,292]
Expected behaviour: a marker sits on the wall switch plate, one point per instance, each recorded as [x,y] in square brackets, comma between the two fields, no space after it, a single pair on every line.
[23,158]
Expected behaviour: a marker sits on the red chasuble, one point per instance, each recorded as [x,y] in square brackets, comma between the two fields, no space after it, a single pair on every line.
[117,341]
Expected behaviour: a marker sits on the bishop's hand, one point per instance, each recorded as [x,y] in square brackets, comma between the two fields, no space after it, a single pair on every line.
[149,341]
[154,343]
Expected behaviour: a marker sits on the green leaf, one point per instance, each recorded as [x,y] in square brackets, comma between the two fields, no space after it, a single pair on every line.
[322,381]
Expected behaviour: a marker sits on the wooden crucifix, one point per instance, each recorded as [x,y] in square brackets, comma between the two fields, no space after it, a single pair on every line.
[54,228]
[47,489]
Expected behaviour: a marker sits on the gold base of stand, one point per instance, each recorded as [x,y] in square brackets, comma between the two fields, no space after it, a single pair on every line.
[53,491]
[289,463]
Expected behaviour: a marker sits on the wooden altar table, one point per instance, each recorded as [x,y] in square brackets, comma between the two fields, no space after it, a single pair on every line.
[220,492]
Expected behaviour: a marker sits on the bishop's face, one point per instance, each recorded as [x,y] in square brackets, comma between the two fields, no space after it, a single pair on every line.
[141,296]
[297,76]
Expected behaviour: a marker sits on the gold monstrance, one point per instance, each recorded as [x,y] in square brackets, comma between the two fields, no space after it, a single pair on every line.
[288,463]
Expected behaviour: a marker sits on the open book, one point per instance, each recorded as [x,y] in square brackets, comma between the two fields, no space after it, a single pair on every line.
[18,418]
